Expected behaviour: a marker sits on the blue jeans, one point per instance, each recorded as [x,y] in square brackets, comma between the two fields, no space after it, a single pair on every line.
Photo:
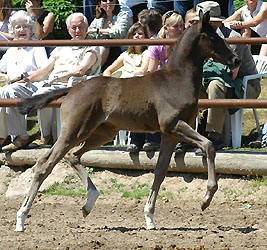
[181,6]
[89,9]
[140,139]
[227,6]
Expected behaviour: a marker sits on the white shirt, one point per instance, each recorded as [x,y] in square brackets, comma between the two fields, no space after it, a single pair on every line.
[17,60]
[70,57]
[260,29]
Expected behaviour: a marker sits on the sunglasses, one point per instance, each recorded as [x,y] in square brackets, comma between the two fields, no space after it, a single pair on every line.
[107,0]
[169,14]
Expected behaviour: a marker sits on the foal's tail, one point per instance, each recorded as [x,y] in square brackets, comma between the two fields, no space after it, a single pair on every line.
[31,104]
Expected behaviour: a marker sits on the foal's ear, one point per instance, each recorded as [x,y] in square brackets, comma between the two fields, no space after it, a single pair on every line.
[205,18]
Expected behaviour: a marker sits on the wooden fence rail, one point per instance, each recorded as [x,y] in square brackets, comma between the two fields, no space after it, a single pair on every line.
[118,42]
[203,103]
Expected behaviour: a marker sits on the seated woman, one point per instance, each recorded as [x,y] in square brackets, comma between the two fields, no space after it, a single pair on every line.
[251,19]
[44,21]
[14,63]
[112,23]
[173,27]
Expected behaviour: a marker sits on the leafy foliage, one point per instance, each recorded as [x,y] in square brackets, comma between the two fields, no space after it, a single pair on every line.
[239,4]
[61,9]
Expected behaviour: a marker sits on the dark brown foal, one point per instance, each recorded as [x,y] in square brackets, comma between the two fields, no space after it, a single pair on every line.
[94,111]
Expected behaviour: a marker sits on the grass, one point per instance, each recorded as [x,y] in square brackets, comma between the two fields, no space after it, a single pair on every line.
[249,132]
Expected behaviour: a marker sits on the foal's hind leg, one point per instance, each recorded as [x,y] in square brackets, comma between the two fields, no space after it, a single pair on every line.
[187,134]
[166,149]
[103,134]
[42,169]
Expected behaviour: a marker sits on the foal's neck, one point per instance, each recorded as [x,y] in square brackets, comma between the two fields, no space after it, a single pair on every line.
[186,54]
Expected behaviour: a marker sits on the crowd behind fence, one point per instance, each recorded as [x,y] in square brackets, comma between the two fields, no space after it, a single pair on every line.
[203,103]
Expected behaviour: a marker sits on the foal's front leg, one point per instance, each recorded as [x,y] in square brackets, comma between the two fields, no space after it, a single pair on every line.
[187,134]
[166,149]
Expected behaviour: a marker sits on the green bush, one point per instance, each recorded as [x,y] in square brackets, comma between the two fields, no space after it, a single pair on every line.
[61,9]
[239,4]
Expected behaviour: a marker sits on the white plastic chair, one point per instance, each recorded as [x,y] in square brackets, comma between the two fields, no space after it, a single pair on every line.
[237,117]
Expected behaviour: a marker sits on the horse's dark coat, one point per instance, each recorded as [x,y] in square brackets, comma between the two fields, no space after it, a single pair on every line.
[94,111]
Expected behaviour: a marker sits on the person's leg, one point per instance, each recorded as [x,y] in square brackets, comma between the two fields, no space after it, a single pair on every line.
[89,9]
[162,6]
[17,123]
[45,115]
[152,141]
[182,6]
[231,7]
[138,139]
[137,142]
[196,2]
[215,118]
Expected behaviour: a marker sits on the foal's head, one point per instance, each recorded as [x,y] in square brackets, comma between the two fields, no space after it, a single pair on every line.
[212,45]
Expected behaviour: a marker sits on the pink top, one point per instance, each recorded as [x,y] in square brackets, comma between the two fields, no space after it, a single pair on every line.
[158,52]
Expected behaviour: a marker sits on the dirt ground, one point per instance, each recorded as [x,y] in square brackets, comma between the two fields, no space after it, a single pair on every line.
[236,218]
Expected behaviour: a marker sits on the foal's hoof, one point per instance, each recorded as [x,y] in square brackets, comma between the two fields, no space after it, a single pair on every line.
[204,205]
[85,213]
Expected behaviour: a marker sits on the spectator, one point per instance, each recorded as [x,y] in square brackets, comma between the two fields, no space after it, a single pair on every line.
[44,21]
[152,20]
[251,19]
[63,63]
[5,12]
[227,6]
[89,8]
[173,27]
[134,61]
[14,63]
[219,89]
[189,17]
[110,22]
[181,7]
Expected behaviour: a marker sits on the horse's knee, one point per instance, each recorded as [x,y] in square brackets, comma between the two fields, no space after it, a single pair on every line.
[72,158]
[42,169]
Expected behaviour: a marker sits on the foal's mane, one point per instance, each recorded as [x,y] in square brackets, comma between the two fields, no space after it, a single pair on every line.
[183,44]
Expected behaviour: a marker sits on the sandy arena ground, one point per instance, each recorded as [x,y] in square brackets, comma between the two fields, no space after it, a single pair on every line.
[236,218]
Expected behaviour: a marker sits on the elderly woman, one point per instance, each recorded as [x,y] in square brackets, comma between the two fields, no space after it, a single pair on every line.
[14,63]
[251,19]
